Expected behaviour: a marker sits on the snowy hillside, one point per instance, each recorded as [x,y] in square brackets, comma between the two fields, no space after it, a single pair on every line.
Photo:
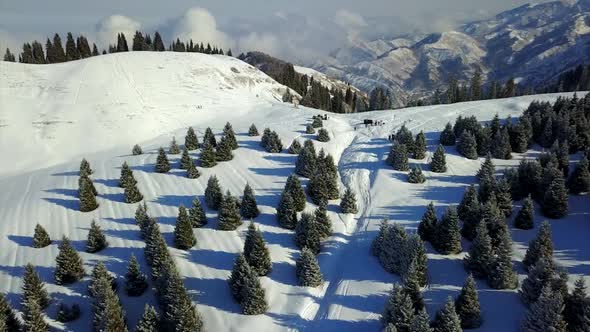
[52,116]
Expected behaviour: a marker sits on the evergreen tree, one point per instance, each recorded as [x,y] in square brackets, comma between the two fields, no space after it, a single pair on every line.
[469,212]
[295,147]
[309,129]
[467,146]
[428,224]
[209,138]
[348,202]
[447,319]
[577,308]
[197,215]
[399,309]
[479,259]
[132,193]
[546,314]
[448,234]
[324,223]
[421,322]
[307,233]
[501,145]
[184,238]
[238,276]
[230,136]
[192,172]
[525,217]
[555,201]
[58,50]
[248,206]
[213,193]
[411,286]
[256,252]
[487,170]
[467,305]
[191,142]
[158,43]
[96,239]
[126,177]
[208,156]
[85,169]
[419,149]
[8,316]
[108,313]
[68,264]
[416,175]
[66,313]
[174,148]
[483,137]
[287,212]
[41,239]
[377,244]
[185,159]
[502,274]
[541,247]
[323,135]
[9,57]
[150,320]
[162,163]
[33,288]
[136,151]
[87,194]
[293,186]
[308,269]
[398,157]
[274,143]
[135,281]
[317,122]
[229,213]
[179,312]
[33,317]
[94,50]
[538,276]
[579,181]
[71,49]
[253,131]
[306,161]
[439,161]
[504,197]
[224,150]
[253,295]
[447,136]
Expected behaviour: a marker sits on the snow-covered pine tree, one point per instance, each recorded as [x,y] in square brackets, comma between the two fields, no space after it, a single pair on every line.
[213,193]
[447,136]
[577,308]
[448,234]
[323,135]
[348,202]
[307,233]
[256,252]
[275,145]
[108,313]
[393,244]
[428,224]
[184,238]
[404,136]
[546,314]
[180,314]
[411,286]
[209,138]
[504,197]
[555,201]
[192,172]
[399,309]
[286,211]
[541,247]
[398,157]
[439,161]
[229,213]
[230,136]
[253,295]
[469,212]
[309,129]
[126,177]
[224,150]
[132,193]
[68,264]
[136,151]
[162,164]
[135,281]
[579,180]
[525,217]
[185,159]
[538,276]
[308,269]
[306,161]
[197,215]
[500,148]
[295,147]
[377,244]
[8,316]
[479,259]
[238,276]
[483,137]
[502,274]
[324,223]
[85,169]
[253,131]
[96,241]
[208,157]
[487,169]
[150,320]
[416,175]
[87,195]
[293,186]
[41,239]
[467,146]
[174,148]
[421,322]
[317,122]
[248,206]
[141,215]
[33,317]
[446,319]
[467,305]
[191,142]
[33,288]
[420,146]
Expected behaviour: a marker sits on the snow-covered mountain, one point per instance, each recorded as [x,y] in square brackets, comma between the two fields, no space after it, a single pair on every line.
[532,43]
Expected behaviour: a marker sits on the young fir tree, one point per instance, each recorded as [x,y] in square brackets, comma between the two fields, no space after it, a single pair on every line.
[555,201]
[502,274]
[135,281]
[546,314]
[256,252]
[541,247]
[324,223]
[579,180]
[307,233]
[525,217]
[185,159]
[398,157]
[150,320]
[184,238]
[238,275]
[447,136]
[108,313]
[421,322]
[248,206]
[348,202]
[317,122]
[136,151]
[192,172]
[87,195]
[448,234]
[479,259]
[132,193]
[323,135]
[295,147]
[33,317]
[174,148]
[67,313]
[309,129]
[411,286]
[504,197]
[416,175]
[500,148]
[33,288]
[224,151]
[41,239]
[213,193]
[308,269]
[469,212]
[208,156]
[306,161]
[577,308]
[428,224]
[399,310]
[68,264]
[538,276]
[180,313]
[96,239]
[487,170]
[467,305]
[126,177]
[209,138]
[253,131]
[467,146]
[229,213]
[196,214]
[446,319]
[85,169]
[253,295]
[439,161]
[8,316]
[293,186]
[162,163]
[286,212]
[419,150]
[230,135]
[191,142]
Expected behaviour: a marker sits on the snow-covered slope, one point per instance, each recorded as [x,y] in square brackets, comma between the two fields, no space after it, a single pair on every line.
[355,287]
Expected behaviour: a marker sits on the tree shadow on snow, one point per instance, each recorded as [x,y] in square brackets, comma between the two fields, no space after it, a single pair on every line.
[23,241]
[219,260]
[64,191]
[214,293]
[113,183]
[175,200]
[71,204]
[69,173]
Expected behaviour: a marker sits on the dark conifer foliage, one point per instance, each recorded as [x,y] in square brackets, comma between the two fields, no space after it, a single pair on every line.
[348,202]
[150,320]
[8,56]
[8,315]
[224,150]
[248,206]
[162,163]
[479,259]
[439,162]
[229,134]
[229,213]
[416,175]
[135,281]
[293,186]
[96,239]
[87,194]
[308,269]
[197,215]
[67,313]
[525,217]
[448,234]
[191,142]
[184,238]
[213,193]
[174,148]
[398,157]
[419,150]
[579,180]
[253,131]
[546,314]
[323,135]
[467,305]
[446,319]
[577,308]
[307,233]
[256,251]
[555,201]
[295,147]
[309,129]
[41,238]
[324,223]
[467,146]
[399,311]
[307,160]
[136,151]
[209,138]
[33,288]
[286,211]
[428,224]
[541,247]
[208,157]
[71,49]
[68,267]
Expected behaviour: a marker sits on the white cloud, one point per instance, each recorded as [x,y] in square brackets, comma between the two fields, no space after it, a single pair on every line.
[108,29]
[8,41]
[264,42]
[200,26]
[351,22]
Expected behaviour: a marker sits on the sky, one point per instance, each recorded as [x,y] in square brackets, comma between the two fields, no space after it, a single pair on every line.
[299,31]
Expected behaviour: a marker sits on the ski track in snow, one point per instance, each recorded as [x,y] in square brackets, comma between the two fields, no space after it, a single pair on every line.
[152,98]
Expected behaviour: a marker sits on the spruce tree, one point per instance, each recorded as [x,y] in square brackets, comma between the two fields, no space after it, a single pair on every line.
[228,132]
[541,247]
[579,180]
[467,146]
[33,317]
[256,252]
[293,186]
[501,145]
[213,193]
[248,206]
[308,269]
[229,213]
[502,274]
[469,212]
[162,163]
[538,276]
[208,156]
[416,175]
[309,129]
[184,238]
[126,177]
[399,310]
[439,162]
[419,150]
[96,239]
[317,122]
[398,157]
[253,295]
[150,320]
[68,264]
[67,313]
[286,211]
[108,313]
[87,196]
[428,224]
[41,239]
[504,197]
[174,148]
[487,169]
[71,50]
[479,259]
[448,234]
[306,161]
[85,169]
[191,142]
[8,316]
[192,172]
[307,233]
[237,278]
[467,305]
[324,223]
[447,136]
[525,217]
[185,159]
[224,150]
[197,215]
[577,308]
[273,143]
[132,193]
[483,137]
[546,314]
[33,288]
[421,322]
[411,286]
[253,131]
[135,281]
[323,135]
[136,151]
[555,201]
[446,319]
[348,202]
[209,138]
[295,147]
